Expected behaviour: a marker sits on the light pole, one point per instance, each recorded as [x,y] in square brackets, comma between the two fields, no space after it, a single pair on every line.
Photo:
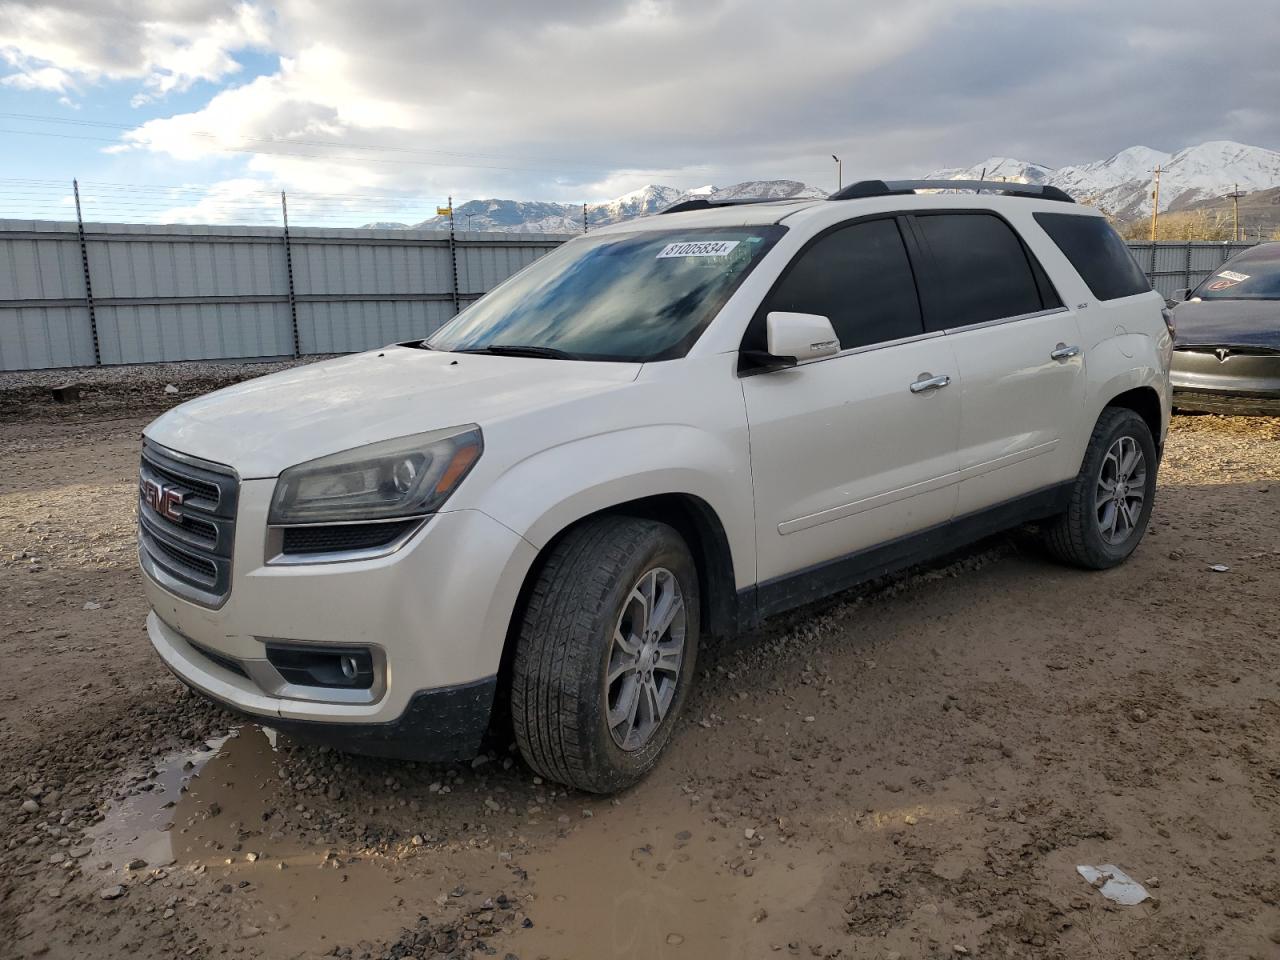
[839,172]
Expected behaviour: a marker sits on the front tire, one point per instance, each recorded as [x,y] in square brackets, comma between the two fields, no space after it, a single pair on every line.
[1112,496]
[605,653]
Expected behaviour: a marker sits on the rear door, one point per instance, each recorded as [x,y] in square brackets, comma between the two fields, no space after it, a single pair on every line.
[1018,351]
[844,454]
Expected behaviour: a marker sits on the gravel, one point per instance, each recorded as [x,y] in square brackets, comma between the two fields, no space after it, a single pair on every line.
[904,769]
[123,389]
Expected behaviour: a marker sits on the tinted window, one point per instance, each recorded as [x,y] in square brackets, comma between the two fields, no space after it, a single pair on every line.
[1096,251]
[630,296]
[1253,275]
[857,276]
[982,270]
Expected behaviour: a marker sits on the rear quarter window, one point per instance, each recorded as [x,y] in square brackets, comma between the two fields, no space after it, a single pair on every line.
[1096,251]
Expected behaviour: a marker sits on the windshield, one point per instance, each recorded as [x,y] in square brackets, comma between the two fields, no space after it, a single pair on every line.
[1254,275]
[616,296]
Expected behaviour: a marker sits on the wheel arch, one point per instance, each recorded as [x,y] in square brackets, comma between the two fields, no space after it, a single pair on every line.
[702,529]
[1145,402]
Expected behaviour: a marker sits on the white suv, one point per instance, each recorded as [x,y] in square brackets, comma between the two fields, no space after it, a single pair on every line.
[662,431]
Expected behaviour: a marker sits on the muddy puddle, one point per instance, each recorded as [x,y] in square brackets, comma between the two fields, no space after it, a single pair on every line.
[209,820]
[671,888]
[632,880]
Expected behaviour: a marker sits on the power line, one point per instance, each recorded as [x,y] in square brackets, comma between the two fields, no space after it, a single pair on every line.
[311,156]
[221,148]
[353,145]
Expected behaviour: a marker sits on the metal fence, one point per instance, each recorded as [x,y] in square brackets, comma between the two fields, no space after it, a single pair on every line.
[112,293]
[1171,264]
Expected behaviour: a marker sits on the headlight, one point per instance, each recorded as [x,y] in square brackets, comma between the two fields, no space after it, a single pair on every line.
[406,477]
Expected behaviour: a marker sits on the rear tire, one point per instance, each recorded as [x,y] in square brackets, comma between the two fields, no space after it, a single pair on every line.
[605,653]
[1111,498]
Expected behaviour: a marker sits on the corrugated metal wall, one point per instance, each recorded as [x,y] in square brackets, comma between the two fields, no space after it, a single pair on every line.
[1171,264]
[202,293]
[43,318]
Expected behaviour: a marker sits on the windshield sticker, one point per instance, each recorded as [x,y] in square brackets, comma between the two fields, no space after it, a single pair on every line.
[1228,278]
[697,248]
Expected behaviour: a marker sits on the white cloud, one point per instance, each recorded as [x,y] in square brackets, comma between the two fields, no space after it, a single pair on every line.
[242,199]
[167,46]
[40,78]
[583,99]
[587,99]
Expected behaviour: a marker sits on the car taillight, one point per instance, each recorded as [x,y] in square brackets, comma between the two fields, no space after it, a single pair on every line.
[1168,319]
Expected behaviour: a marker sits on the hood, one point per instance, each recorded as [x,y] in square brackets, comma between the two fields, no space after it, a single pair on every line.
[262,426]
[1227,323]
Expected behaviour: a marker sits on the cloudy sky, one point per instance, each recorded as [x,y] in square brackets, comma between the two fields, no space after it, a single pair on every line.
[204,109]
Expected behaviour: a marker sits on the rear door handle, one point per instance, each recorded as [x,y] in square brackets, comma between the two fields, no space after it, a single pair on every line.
[929,382]
[1063,352]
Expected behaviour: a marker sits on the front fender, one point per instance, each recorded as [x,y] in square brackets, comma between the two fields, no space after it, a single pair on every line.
[540,496]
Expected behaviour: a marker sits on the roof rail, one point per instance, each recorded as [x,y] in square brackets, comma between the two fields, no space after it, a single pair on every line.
[888,188]
[705,203]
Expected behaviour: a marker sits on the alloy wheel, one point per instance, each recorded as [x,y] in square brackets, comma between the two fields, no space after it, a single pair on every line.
[645,658]
[1121,491]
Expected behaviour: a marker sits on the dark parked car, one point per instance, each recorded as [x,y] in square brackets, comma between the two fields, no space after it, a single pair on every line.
[1227,350]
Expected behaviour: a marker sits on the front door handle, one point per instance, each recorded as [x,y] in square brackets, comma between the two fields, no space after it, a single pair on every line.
[929,382]
[1063,352]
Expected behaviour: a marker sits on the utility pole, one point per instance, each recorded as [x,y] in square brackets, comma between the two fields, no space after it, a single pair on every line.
[1235,195]
[584,218]
[839,172]
[1155,204]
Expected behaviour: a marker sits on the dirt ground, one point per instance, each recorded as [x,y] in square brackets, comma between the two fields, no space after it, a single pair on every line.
[915,769]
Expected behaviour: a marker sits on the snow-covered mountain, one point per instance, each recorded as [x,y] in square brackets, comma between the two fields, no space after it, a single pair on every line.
[510,216]
[997,168]
[772,189]
[1122,184]
[637,203]
[526,216]
[1105,182]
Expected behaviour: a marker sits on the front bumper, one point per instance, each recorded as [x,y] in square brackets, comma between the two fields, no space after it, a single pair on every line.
[1229,403]
[437,726]
[435,613]
[1228,381]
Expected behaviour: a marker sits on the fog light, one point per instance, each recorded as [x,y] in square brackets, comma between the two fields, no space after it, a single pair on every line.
[308,665]
[349,667]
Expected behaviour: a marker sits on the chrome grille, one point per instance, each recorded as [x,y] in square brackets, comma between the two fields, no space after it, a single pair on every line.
[185,537]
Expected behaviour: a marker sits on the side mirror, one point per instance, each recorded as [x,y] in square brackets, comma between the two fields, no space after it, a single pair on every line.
[796,337]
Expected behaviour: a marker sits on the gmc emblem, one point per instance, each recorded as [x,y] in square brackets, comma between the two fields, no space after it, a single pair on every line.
[165,501]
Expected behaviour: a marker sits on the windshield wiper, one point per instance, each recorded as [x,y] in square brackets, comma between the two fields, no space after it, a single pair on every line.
[516,350]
